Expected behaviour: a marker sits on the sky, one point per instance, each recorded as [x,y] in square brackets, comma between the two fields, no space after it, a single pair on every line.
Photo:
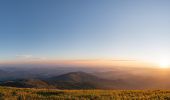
[84,29]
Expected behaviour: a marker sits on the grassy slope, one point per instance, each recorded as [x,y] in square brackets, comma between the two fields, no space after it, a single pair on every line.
[45,94]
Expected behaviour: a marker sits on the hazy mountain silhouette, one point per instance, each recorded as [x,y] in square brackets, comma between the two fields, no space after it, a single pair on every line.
[73,79]
[77,80]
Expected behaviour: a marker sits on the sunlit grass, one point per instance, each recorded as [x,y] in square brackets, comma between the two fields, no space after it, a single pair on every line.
[46,94]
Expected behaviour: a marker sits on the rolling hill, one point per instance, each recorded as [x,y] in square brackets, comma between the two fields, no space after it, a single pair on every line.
[115,79]
[72,80]
[27,83]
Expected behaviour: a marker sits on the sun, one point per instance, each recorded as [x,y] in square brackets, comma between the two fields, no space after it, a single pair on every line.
[164,63]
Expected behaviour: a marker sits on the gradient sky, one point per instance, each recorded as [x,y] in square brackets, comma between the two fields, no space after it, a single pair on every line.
[84,29]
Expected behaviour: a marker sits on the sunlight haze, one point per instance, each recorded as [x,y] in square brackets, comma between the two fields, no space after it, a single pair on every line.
[56,30]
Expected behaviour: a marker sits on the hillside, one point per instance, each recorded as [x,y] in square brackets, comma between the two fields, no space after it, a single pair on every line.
[72,80]
[116,79]
[75,80]
[27,83]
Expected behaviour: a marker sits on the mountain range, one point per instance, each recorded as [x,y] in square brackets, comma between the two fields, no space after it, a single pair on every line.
[73,79]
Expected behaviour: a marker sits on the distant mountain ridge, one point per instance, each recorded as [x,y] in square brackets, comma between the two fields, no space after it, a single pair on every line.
[75,80]
[72,80]
[75,77]
[114,79]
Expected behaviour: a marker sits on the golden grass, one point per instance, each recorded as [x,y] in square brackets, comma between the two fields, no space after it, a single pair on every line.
[7,93]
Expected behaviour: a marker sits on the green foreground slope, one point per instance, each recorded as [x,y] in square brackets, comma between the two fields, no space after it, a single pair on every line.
[7,93]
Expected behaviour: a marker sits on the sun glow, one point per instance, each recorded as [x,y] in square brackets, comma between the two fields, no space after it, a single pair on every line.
[164,63]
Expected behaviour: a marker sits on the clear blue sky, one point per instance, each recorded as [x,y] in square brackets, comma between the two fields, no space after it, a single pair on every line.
[83,29]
